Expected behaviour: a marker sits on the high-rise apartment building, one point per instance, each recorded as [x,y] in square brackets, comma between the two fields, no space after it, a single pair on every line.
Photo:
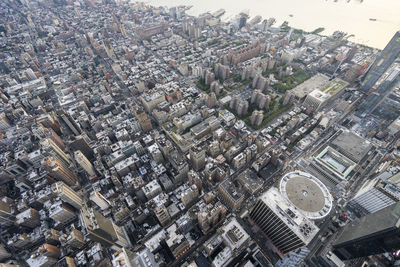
[221,71]
[258,98]
[257,117]
[211,100]
[239,105]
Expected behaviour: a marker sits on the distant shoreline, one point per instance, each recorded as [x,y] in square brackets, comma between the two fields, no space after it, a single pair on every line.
[373,34]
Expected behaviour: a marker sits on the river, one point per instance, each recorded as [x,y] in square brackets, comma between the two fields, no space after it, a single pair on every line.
[352,17]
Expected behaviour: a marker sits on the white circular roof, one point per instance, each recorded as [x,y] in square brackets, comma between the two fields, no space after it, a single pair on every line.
[307,193]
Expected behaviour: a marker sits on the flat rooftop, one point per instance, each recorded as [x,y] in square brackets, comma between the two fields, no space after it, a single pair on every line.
[351,145]
[307,193]
[319,86]
[295,219]
[338,164]
[234,234]
[315,82]
[231,189]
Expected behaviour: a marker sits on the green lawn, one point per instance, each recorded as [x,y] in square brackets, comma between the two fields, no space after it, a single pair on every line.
[272,115]
[202,86]
[291,81]
[212,42]
[268,117]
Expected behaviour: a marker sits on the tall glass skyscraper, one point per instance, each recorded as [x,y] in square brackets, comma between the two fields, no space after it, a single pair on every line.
[372,234]
[377,92]
[385,59]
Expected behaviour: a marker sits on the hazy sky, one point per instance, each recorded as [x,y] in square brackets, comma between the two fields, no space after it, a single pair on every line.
[352,17]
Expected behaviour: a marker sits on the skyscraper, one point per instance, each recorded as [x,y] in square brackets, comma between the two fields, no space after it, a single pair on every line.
[100,229]
[81,143]
[50,148]
[374,233]
[282,222]
[385,59]
[67,194]
[59,171]
[68,123]
[197,158]
[84,163]
[61,212]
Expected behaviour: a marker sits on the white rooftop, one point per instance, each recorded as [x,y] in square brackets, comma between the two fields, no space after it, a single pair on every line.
[234,234]
[297,221]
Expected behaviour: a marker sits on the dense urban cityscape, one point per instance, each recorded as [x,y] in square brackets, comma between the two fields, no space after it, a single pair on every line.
[135,135]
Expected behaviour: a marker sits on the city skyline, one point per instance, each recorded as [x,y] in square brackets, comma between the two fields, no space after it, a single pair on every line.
[144,135]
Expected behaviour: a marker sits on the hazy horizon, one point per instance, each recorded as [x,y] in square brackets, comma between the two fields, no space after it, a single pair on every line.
[351,17]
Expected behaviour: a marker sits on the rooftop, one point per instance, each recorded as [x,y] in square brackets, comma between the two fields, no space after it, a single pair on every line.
[340,165]
[320,86]
[294,218]
[307,193]
[351,145]
[234,234]
[230,188]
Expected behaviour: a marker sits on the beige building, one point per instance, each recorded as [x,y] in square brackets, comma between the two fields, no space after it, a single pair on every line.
[67,194]
[230,195]
[74,239]
[102,230]
[57,170]
[162,215]
[197,158]
[84,163]
[61,212]
[100,200]
[29,218]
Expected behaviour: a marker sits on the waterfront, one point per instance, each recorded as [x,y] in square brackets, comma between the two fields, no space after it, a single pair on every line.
[351,17]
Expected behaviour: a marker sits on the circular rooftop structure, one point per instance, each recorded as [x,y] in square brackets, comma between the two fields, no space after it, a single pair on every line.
[307,193]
